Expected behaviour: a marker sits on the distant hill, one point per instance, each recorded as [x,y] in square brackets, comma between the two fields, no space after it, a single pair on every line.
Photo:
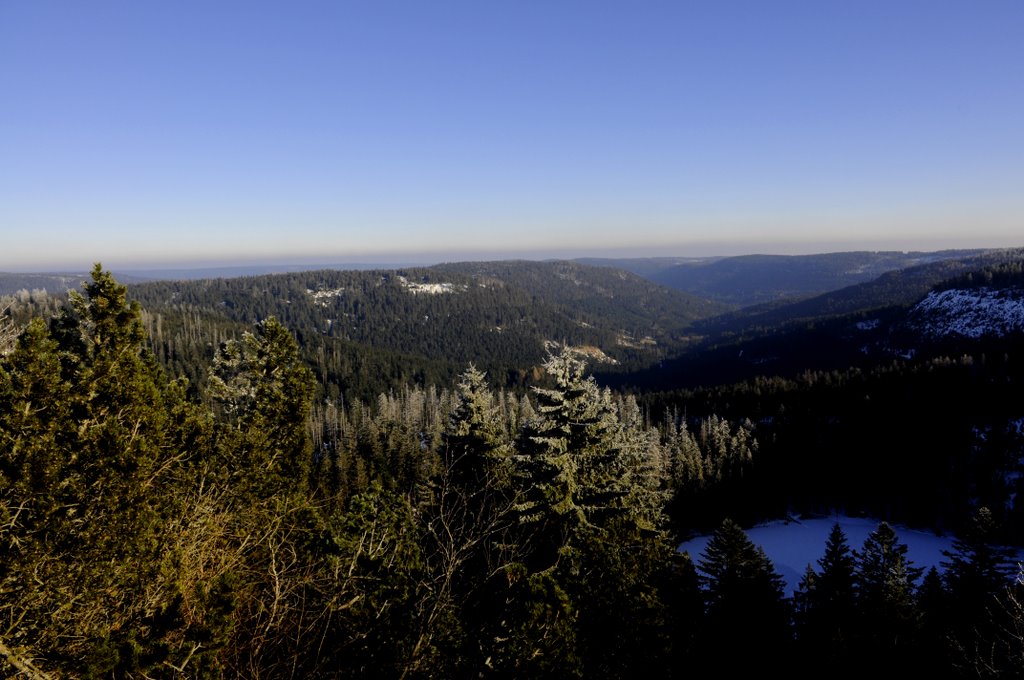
[604,292]
[52,283]
[366,330]
[11,283]
[647,267]
[234,271]
[892,288]
[942,308]
[755,279]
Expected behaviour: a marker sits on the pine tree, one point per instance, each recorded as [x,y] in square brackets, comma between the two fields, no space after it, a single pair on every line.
[466,526]
[473,441]
[559,465]
[589,506]
[934,647]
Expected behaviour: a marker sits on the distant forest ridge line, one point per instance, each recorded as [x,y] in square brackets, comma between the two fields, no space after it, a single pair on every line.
[661,269]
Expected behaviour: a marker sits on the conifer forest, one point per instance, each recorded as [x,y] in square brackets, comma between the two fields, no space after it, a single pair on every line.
[202,481]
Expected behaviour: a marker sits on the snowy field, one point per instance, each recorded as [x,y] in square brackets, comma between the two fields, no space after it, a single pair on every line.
[792,545]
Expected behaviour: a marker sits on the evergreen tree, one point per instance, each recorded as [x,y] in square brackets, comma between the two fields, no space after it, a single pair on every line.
[265,390]
[474,440]
[562,458]
[92,436]
[746,607]
[825,618]
[977,573]
[934,643]
[976,570]
[589,504]
[886,605]
[466,528]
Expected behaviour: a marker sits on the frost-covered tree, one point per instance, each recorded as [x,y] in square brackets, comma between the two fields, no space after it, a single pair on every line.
[265,391]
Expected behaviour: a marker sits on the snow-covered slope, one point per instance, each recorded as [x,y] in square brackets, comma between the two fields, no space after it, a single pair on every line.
[973,313]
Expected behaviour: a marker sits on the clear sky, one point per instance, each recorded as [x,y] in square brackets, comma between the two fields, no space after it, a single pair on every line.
[157,133]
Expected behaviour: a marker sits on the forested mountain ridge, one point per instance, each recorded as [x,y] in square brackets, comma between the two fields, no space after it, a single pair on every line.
[897,316]
[641,307]
[249,525]
[256,530]
[911,412]
[898,287]
[13,283]
[747,280]
[426,324]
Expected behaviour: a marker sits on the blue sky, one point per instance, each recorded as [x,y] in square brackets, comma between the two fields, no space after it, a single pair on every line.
[158,133]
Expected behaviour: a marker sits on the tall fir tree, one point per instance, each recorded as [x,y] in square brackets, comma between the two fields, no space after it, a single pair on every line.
[746,605]
[886,605]
[826,622]
[977,574]
[93,435]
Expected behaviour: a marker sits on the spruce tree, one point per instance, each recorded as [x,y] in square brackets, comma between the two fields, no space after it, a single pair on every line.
[92,436]
[746,607]
[977,573]
[474,442]
[825,619]
[885,601]
[976,570]
[559,464]
[264,390]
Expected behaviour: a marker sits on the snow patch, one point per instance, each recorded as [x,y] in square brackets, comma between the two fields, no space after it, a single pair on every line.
[430,288]
[321,297]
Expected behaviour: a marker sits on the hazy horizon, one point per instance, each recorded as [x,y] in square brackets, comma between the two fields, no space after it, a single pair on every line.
[396,260]
[232,133]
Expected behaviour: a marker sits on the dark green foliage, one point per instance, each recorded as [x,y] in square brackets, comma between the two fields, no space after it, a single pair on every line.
[265,391]
[977,573]
[90,428]
[476,441]
[935,643]
[238,526]
[578,467]
[745,605]
[825,616]
[365,332]
[887,612]
[622,589]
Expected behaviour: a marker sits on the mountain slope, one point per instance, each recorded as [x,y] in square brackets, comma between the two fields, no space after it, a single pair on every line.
[895,288]
[919,312]
[637,305]
[756,279]
[427,324]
